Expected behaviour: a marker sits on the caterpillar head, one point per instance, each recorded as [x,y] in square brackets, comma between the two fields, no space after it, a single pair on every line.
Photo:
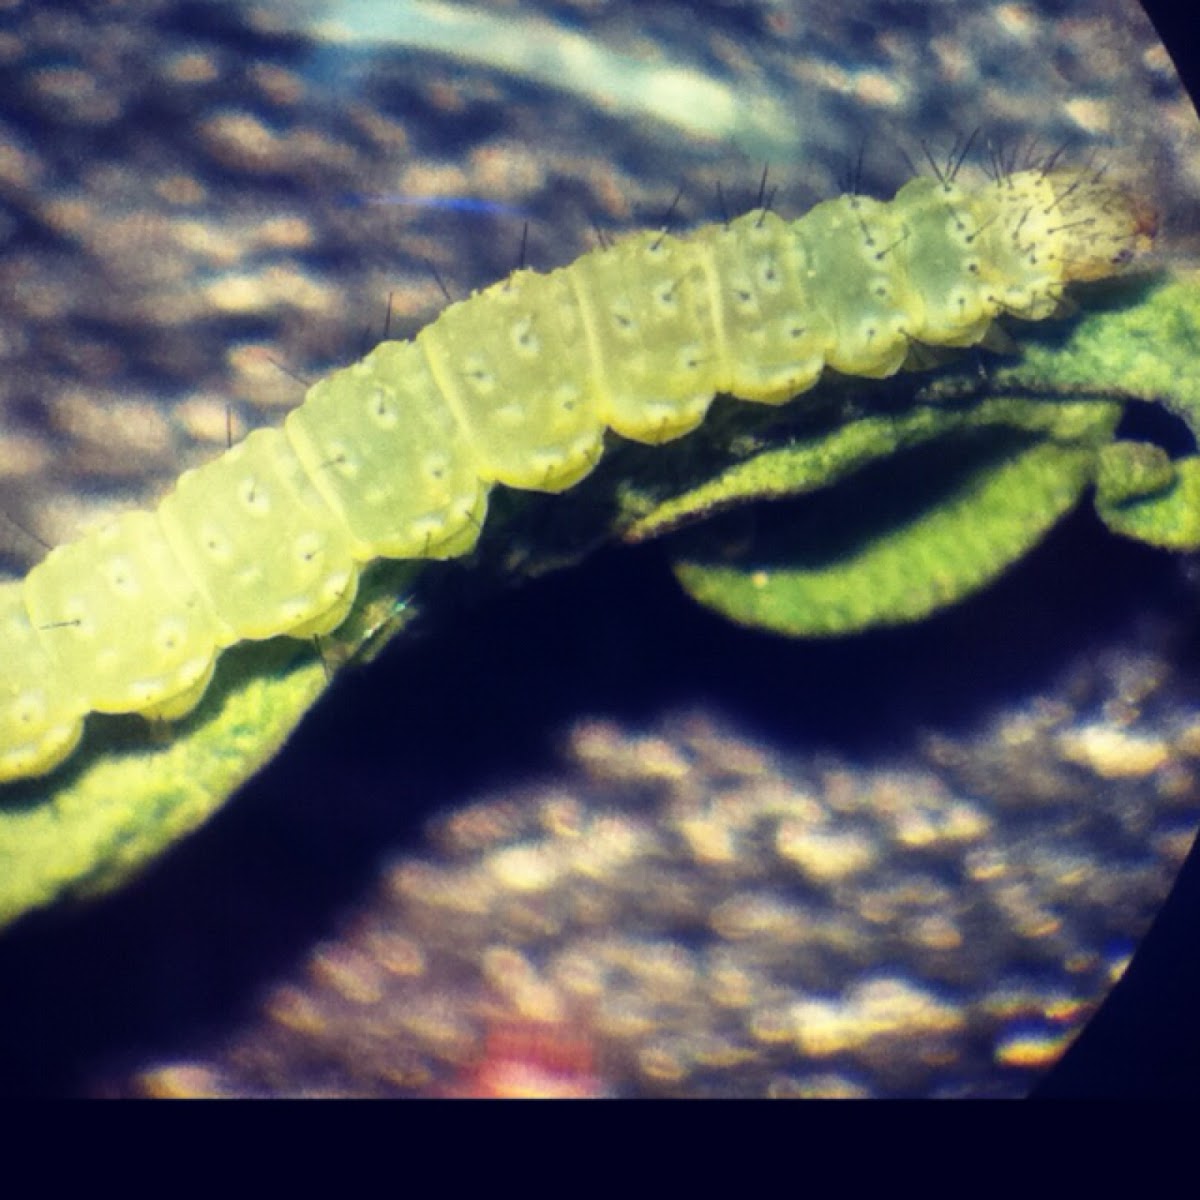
[1103,228]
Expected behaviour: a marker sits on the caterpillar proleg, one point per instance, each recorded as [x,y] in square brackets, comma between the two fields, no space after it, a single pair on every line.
[395,455]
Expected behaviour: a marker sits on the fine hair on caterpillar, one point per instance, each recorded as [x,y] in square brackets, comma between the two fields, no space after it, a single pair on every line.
[518,384]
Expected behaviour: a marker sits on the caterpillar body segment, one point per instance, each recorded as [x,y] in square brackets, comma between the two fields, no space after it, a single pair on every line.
[41,706]
[508,367]
[394,456]
[411,487]
[259,543]
[93,587]
[648,305]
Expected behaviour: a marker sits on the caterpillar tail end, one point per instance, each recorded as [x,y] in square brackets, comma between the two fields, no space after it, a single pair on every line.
[1105,229]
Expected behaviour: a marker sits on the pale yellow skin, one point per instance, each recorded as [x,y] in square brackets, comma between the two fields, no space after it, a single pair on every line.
[394,456]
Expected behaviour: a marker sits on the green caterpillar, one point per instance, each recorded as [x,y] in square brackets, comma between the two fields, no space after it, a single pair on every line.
[395,455]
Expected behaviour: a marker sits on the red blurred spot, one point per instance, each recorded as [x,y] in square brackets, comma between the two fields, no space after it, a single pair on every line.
[532,1060]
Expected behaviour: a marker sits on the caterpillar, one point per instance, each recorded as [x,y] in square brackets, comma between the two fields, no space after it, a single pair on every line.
[395,455]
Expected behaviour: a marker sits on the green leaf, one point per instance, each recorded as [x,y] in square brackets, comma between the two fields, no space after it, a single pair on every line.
[1143,351]
[1163,515]
[1131,471]
[859,559]
[808,464]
